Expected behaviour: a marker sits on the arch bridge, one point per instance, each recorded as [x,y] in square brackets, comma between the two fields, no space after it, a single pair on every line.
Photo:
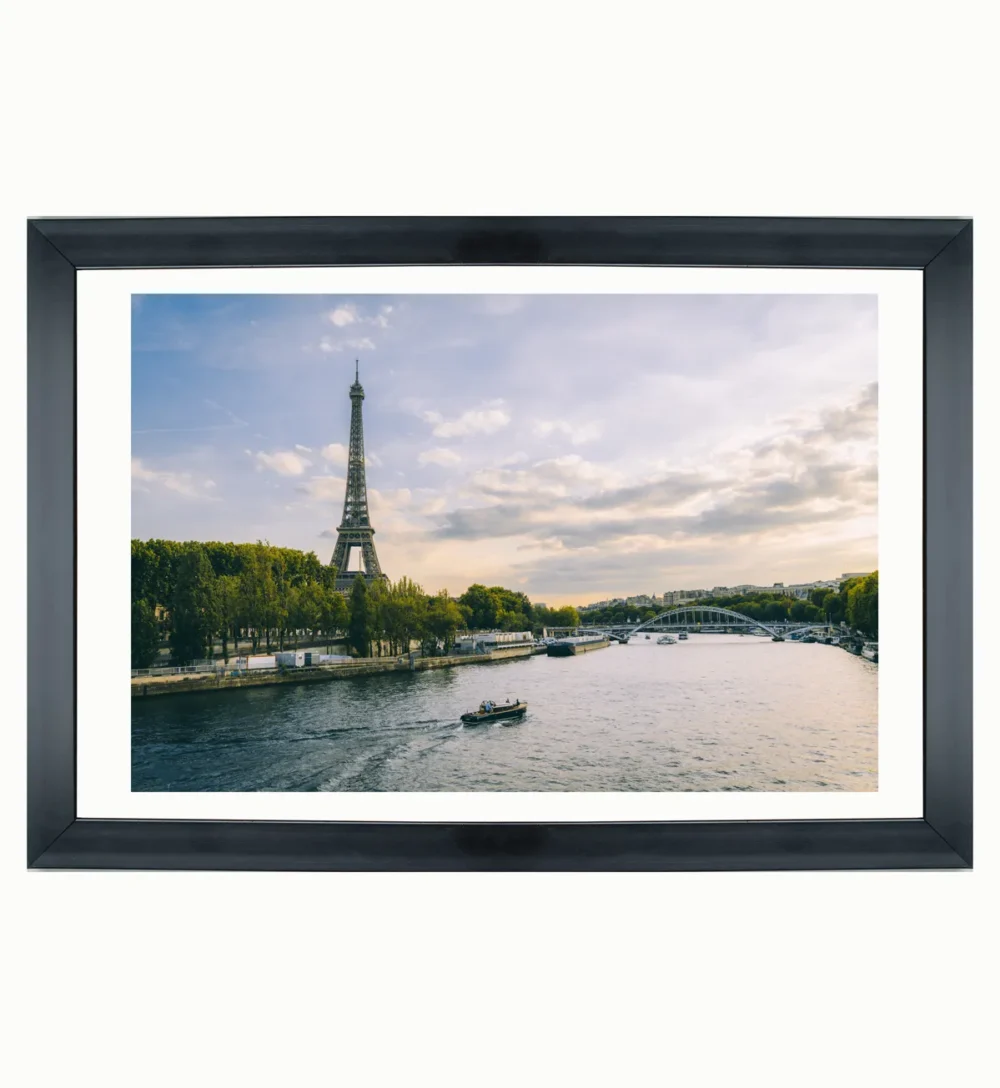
[696,617]
[703,616]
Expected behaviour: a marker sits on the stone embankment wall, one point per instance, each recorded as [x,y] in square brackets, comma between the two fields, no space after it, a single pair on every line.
[362,666]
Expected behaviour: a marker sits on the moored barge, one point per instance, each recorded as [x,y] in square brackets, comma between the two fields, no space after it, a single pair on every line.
[577,644]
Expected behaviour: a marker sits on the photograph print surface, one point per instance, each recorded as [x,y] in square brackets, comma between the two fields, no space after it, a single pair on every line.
[504,542]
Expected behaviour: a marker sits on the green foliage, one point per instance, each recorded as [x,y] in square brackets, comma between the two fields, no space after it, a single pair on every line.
[193,608]
[494,607]
[444,617]
[567,616]
[360,626]
[145,634]
[227,597]
[145,570]
[334,614]
[862,604]
[405,615]
[480,608]
[266,595]
[258,596]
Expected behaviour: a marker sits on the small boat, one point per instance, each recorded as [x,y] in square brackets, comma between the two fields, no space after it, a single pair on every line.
[666,640]
[683,635]
[870,650]
[647,636]
[808,638]
[493,712]
[777,638]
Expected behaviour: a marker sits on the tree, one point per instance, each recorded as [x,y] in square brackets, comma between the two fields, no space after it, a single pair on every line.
[818,596]
[194,607]
[804,612]
[258,595]
[310,601]
[334,616]
[862,605]
[280,603]
[444,618]
[227,592]
[513,621]
[359,631]
[145,572]
[567,616]
[775,611]
[511,602]
[404,612]
[482,605]
[378,608]
[145,634]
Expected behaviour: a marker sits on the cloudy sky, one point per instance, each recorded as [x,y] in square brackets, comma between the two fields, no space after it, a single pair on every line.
[573,447]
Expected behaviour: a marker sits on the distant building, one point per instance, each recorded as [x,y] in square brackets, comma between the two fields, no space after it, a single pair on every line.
[680,596]
[539,604]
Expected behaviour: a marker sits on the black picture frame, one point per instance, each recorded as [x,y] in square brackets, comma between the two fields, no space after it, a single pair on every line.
[941,248]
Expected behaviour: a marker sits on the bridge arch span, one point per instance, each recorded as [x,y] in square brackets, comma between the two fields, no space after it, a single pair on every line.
[732,619]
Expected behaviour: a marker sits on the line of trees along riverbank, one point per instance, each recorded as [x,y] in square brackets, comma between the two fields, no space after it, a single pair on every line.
[260,597]
[855,602]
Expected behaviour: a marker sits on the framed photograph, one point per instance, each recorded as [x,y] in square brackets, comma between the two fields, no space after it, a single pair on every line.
[549,544]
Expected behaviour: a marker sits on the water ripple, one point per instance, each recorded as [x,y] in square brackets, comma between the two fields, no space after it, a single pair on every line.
[713,713]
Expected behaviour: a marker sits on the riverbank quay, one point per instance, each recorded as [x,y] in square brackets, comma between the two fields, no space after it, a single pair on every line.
[226,680]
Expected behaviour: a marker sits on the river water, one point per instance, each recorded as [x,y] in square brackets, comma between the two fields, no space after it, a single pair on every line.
[717,712]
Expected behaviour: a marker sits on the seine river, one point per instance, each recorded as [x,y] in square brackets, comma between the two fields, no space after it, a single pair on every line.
[717,712]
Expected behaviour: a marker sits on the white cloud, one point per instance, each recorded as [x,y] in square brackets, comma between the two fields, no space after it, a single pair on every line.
[438,456]
[303,449]
[386,500]
[486,420]
[571,467]
[336,453]
[179,482]
[323,488]
[343,316]
[434,506]
[327,345]
[576,433]
[349,314]
[284,462]
[364,343]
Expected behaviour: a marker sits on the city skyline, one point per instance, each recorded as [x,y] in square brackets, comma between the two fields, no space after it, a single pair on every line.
[565,446]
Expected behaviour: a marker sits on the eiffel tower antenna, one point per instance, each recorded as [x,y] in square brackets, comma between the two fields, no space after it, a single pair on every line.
[355,528]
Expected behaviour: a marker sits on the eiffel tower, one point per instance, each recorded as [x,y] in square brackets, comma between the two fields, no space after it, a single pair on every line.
[355,528]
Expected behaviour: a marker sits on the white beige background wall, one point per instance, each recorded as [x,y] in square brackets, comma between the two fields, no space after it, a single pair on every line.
[781,109]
